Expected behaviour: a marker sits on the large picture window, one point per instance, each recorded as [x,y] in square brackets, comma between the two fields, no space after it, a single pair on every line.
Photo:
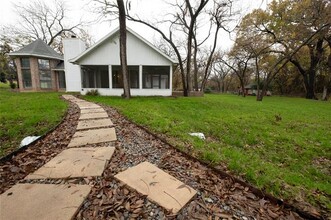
[26,73]
[156,77]
[45,76]
[95,76]
[117,77]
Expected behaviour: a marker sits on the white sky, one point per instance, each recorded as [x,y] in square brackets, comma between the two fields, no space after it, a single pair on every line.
[148,9]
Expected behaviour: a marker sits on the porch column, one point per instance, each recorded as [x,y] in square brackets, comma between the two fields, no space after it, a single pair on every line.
[170,78]
[140,76]
[110,75]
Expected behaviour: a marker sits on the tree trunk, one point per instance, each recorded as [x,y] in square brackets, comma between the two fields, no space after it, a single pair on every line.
[258,95]
[188,64]
[242,87]
[124,66]
[195,71]
[261,94]
[325,92]
[309,81]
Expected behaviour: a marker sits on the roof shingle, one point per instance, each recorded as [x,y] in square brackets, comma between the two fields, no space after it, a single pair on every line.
[37,48]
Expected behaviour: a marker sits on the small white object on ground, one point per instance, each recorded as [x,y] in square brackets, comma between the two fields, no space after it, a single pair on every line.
[199,135]
[27,140]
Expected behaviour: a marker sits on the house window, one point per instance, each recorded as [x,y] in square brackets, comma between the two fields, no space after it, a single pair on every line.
[118,77]
[25,63]
[43,64]
[61,80]
[27,81]
[95,77]
[26,73]
[45,76]
[156,77]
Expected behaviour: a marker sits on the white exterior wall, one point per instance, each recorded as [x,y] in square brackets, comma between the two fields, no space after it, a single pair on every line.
[72,48]
[138,53]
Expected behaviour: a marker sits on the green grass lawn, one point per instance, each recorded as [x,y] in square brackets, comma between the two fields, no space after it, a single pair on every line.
[26,114]
[281,145]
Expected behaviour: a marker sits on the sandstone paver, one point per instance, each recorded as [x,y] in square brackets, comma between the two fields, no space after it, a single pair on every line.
[75,162]
[93,136]
[95,123]
[159,186]
[87,105]
[92,110]
[42,201]
[69,97]
[93,115]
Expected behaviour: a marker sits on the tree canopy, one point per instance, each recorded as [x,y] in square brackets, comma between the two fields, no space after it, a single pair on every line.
[288,31]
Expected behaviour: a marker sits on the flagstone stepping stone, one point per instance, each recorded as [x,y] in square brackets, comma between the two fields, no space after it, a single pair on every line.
[88,106]
[94,115]
[83,103]
[95,136]
[95,123]
[75,162]
[69,97]
[92,110]
[42,201]
[159,186]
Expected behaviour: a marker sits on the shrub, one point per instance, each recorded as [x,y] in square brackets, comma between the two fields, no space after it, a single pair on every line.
[13,85]
[207,90]
[93,92]
[3,77]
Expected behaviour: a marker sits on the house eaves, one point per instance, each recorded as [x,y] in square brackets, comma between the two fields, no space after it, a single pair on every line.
[37,48]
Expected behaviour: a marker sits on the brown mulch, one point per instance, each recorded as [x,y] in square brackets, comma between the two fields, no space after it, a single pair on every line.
[217,197]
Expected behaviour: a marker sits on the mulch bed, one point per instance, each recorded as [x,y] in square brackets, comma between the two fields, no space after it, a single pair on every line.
[217,198]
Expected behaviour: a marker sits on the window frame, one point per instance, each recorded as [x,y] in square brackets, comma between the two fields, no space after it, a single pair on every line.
[95,76]
[117,77]
[148,74]
[46,73]
[24,71]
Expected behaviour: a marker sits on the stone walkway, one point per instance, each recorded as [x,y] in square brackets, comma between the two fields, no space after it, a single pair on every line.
[83,158]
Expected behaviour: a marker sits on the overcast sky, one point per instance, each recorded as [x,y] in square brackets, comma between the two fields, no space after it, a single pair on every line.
[148,9]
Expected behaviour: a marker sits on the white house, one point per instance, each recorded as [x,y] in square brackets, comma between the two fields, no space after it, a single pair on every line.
[98,67]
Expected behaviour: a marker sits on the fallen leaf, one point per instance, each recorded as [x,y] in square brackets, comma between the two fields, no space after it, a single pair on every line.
[272,214]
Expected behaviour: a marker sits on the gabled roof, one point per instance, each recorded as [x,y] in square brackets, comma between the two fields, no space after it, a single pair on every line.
[37,48]
[110,35]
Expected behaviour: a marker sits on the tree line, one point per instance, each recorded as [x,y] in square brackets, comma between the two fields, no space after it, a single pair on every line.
[286,39]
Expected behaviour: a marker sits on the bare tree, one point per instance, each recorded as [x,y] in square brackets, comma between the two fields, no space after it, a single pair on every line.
[219,16]
[42,20]
[221,71]
[184,19]
[240,66]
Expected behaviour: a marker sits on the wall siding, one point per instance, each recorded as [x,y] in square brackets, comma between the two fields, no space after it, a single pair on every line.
[138,53]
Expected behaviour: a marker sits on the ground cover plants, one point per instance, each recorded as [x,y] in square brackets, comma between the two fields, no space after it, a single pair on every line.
[26,114]
[281,145]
